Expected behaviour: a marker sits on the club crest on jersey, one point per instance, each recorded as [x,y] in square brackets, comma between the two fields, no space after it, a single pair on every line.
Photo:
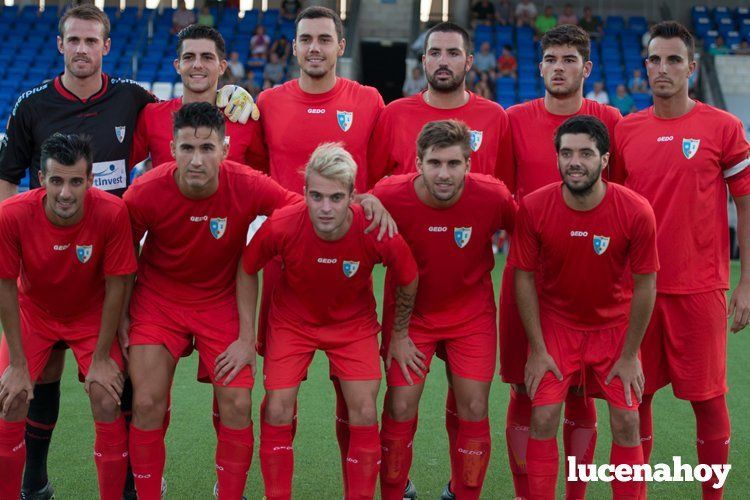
[120,133]
[461,235]
[350,268]
[690,147]
[218,226]
[475,139]
[83,252]
[345,119]
[601,243]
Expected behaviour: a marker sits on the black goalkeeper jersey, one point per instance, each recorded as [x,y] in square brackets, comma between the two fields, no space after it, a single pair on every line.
[108,117]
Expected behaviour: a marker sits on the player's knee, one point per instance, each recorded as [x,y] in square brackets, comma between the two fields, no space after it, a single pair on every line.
[235,409]
[148,410]
[625,427]
[544,421]
[17,410]
[279,412]
[401,409]
[103,405]
[474,410]
[363,413]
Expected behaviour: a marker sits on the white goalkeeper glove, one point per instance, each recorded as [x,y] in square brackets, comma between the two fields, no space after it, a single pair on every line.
[237,103]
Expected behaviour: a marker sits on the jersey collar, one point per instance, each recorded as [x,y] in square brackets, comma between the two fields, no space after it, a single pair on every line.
[60,88]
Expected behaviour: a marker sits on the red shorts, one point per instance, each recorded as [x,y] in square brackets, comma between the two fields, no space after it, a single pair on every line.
[212,329]
[686,344]
[469,355]
[590,354]
[290,350]
[40,333]
[514,345]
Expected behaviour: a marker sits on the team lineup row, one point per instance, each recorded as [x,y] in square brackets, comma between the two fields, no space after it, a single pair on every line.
[582,227]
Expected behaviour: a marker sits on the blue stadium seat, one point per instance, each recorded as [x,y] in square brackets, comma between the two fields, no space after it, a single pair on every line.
[615,24]
[642,101]
[271,18]
[505,85]
[732,39]
[702,26]
[638,24]
[725,25]
[721,12]
[745,29]
[506,102]
[742,13]
[288,30]
[9,12]
[710,38]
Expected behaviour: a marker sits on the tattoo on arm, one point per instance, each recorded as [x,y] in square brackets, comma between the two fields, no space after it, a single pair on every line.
[404,306]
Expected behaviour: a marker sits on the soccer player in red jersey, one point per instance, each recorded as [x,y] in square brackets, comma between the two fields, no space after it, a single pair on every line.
[65,281]
[681,155]
[446,60]
[580,241]
[323,241]
[201,60]
[565,64]
[436,209]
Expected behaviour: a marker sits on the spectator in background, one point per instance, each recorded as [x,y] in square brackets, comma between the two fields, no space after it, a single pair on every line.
[273,73]
[235,66]
[506,63]
[598,94]
[182,18]
[206,18]
[471,80]
[623,101]
[504,12]
[525,13]
[249,83]
[744,48]
[260,43]
[719,47]
[568,16]
[415,82]
[483,12]
[282,48]
[483,87]
[290,9]
[484,60]
[591,24]
[637,84]
[546,21]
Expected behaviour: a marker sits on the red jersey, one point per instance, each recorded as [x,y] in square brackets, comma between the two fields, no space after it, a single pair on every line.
[582,257]
[533,130]
[62,268]
[327,282]
[681,166]
[393,149]
[293,123]
[452,247]
[154,132]
[193,246]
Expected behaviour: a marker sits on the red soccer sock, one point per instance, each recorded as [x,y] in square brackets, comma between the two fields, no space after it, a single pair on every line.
[646,421]
[713,431]
[234,453]
[12,458]
[342,430]
[541,467]
[517,424]
[579,438]
[147,458]
[276,460]
[451,427]
[630,455]
[472,452]
[396,440]
[362,462]
[111,457]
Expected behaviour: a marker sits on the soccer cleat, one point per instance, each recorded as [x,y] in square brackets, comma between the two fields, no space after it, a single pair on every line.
[163,487]
[45,493]
[410,491]
[216,491]
[447,494]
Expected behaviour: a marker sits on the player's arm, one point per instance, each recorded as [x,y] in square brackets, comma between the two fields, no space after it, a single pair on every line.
[401,348]
[15,381]
[739,304]
[16,150]
[378,216]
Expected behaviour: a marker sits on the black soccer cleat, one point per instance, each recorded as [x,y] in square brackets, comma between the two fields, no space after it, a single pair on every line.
[216,491]
[447,494]
[47,492]
[410,491]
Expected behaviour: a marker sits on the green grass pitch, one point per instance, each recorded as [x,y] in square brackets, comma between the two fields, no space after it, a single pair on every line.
[191,440]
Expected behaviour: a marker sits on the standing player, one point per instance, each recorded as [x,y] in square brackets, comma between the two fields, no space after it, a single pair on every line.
[681,154]
[565,64]
[436,209]
[66,281]
[323,241]
[577,240]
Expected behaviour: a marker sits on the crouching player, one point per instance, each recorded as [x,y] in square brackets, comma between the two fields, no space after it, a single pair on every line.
[579,238]
[324,302]
[73,272]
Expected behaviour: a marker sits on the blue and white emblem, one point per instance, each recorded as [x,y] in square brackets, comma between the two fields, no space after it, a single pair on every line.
[461,235]
[218,226]
[345,119]
[350,268]
[83,252]
[690,147]
[601,243]
[120,133]
[475,139]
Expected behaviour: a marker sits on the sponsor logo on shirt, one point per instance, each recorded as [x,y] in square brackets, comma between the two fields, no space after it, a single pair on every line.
[60,248]
[218,227]
[350,268]
[198,218]
[437,229]
[601,243]
[345,119]
[316,111]
[109,175]
[665,138]
[120,133]
[83,252]
[690,147]
[461,235]
[475,139]
[578,234]
[323,260]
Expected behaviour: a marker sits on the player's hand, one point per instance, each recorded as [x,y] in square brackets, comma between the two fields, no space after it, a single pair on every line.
[378,215]
[123,335]
[229,363]
[408,357]
[105,372]
[237,103]
[628,368]
[14,382]
[537,365]
[739,305]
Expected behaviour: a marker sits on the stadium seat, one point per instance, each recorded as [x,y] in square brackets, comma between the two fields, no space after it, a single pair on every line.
[642,101]
[725,25]
[721,12]
[178,89]
[615,24]
[271,19]
[745,29]
[145,85]
[162,90]
[710,38]
[638,24]
[733,39]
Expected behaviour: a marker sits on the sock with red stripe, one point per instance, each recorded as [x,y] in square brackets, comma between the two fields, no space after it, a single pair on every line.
[472,451]
[40,423]
[342,429]
[579,438]
[451,427]
[396,440]
[234,453]
[541,468]
[111,458]
[517,425]
[12,458]
[276,460]
[147,458]
[713,431]
[629,455]
[362,462]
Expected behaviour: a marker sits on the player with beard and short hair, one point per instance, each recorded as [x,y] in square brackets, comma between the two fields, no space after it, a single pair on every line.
[584,258]
[565,65]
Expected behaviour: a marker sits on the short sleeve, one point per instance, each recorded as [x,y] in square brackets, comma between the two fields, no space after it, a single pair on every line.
[10,246]
[138,221]
[119,256]
[397,257]
[643,254]
[17,147]
[525,245]
[735,159]
[261,249]
[508,209]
